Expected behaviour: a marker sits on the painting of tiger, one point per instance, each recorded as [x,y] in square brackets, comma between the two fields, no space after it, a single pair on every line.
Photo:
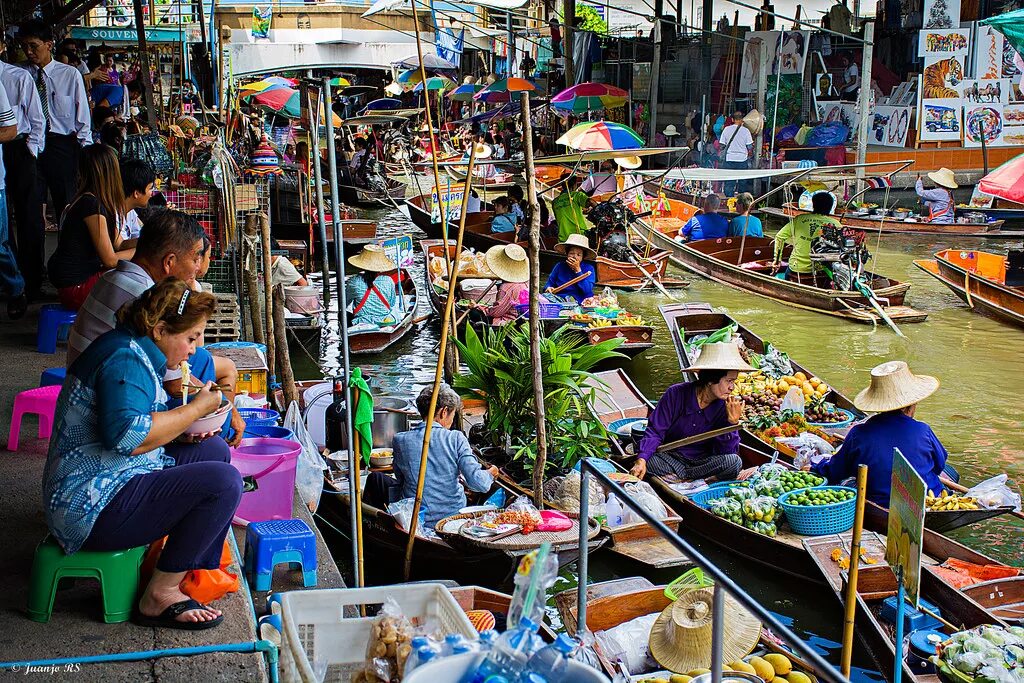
[938,78]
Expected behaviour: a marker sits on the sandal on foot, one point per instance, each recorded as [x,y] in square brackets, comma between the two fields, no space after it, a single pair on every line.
[169,617]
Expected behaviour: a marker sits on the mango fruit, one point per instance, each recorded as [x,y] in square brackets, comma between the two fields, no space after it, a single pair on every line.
[680,678]
[762,668]
[780,663]
[798,677]
[742,666]
[697,672]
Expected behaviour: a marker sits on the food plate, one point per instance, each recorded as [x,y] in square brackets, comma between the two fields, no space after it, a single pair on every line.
[489,531]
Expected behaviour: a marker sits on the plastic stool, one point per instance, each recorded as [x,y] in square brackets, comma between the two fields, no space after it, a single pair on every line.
[118,573]
[41,401]
[52,376]
[275,541]
[51,318]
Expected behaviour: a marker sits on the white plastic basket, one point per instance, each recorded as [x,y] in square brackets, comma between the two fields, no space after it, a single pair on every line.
[321,640]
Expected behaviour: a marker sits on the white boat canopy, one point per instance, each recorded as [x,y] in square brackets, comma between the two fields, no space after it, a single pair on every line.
[394,5]
[709,175]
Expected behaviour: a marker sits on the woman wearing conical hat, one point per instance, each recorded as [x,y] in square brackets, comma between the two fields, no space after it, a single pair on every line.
[371,293]
[693,408]
[939,200]
[892,396]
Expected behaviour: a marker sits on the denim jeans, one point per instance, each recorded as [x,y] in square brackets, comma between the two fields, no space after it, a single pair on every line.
[733,186]
[10,277]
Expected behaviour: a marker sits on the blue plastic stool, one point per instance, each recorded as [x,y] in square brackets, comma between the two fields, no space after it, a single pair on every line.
[275,541]
[52,376]
[51,319]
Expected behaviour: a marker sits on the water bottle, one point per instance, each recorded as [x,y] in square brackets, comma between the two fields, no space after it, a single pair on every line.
[462,648]
[508,656]
[613,510]
[450,641]
[487,639]
[421,646]
[550,662]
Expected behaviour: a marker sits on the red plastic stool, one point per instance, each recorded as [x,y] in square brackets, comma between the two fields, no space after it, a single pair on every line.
[41,401]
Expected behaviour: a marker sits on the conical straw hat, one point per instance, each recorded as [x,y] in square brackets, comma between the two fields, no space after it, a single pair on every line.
[944,177]
[576,240]
[509,262]
[894,386]
[629,162]
[681,635]
[373,259]
[720,356]
[483,151]
[753,122]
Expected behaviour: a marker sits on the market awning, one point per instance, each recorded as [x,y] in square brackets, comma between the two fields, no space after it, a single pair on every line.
[318,49]
[1010,25]
[396,5]
[710,175]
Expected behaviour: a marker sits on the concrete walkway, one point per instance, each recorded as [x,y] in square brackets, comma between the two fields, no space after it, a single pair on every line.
[76,628]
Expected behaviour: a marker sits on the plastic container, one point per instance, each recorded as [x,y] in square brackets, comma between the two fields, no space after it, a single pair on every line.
[509,655]
[913,619]
[322,628]
[454,669]
[260,417]
[848,420]
[272,463]
[552,661]
[256,431]
[545,310]
[818,520]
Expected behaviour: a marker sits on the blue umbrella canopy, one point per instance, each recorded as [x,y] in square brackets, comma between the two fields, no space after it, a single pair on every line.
[383,104]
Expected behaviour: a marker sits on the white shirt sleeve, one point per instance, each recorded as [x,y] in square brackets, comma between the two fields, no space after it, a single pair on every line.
[33,108]
[83,125]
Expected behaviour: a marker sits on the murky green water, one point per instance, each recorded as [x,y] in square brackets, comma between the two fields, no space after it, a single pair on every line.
[976,412]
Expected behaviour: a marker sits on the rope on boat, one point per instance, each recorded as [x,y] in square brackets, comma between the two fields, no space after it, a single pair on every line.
[967,288]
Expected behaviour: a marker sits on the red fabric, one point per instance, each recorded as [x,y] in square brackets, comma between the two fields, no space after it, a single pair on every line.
[835,156]
[72,298]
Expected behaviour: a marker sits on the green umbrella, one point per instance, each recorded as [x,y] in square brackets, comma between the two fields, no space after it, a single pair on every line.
[1010,25]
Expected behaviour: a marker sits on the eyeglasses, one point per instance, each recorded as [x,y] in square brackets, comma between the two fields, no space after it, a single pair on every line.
[35,47]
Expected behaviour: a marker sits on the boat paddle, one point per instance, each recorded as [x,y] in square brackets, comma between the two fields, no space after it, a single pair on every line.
[697,438]
[870,296]
[579,278]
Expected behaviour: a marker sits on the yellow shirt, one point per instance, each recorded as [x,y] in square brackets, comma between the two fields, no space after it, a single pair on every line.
[803,229]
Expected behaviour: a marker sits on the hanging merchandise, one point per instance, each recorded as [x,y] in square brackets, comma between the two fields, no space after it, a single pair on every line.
[261,22]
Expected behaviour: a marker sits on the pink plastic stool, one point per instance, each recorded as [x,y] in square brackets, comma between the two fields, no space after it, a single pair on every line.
[41,401]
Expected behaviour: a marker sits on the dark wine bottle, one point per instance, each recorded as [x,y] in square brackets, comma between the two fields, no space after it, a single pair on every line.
[334,425]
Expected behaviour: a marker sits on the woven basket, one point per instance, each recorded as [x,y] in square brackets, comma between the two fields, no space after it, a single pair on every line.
[819,520]
[517,542]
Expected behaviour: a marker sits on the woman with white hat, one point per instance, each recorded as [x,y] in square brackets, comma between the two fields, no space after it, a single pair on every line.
[510,263]
[941,208]
[893,396]
[576,248]
[371,293]
[693,408]
[630,185]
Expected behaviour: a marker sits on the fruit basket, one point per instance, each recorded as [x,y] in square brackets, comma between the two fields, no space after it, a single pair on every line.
[716,490]
[848,419]
[829,510]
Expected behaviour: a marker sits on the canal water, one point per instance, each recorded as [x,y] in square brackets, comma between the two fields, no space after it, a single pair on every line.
[976,412]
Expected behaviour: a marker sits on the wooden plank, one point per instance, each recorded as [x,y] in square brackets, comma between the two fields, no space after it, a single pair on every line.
[653,552]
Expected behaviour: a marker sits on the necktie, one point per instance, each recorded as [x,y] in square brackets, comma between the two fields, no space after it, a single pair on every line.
[43,99]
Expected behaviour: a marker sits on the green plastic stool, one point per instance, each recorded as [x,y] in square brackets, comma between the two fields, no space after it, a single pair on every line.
[118,573]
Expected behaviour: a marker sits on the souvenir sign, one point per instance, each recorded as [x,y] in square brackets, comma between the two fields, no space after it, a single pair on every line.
[943,42]
[906,524]
[980,200]
[1011,62]
[787,53]
[984,120]
[1013,124]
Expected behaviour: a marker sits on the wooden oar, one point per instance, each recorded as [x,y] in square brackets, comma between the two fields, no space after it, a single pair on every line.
[671,446]
[579,278]
[959,488]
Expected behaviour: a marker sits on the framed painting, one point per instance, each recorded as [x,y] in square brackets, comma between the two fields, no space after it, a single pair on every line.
[943,42]
[941,77]
[988,54]
[940,120]
[986,121]
[995,91]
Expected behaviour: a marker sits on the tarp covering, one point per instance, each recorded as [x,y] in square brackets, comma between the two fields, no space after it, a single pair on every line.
[708,175]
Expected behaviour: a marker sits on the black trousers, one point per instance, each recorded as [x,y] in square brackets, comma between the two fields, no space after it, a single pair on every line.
[58,170]
[26,210]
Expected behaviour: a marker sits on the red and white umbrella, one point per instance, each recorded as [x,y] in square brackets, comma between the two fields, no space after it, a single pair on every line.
[1006,182]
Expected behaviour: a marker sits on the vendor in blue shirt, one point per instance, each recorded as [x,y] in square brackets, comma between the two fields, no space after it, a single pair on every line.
[707,225]
[744,223]
[893,396]
[576,248]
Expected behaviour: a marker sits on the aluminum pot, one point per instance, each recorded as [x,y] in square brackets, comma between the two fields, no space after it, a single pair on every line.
[391,415]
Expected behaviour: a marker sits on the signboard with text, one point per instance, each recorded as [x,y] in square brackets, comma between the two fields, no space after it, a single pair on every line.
[451,202]
[906,524]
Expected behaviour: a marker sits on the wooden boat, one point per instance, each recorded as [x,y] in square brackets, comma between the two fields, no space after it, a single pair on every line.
[904,227]
[479,598]
[721,260]
[1004,598]
[361,196]
[979,279]
[375,341]
[878,582]
[1000,210]
[499,184]
[354,231]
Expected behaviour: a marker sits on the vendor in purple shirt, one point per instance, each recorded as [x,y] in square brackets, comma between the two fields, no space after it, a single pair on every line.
[694,408]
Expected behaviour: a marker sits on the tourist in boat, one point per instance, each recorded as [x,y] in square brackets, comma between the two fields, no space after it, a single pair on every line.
[744,223]
[802,230]
[706,225]
[892,396]
[503,221]
[693,408]
[939,200]
[577,252]
[371,293]
[483,169]
[451,458]
[121,472]
[630,186]
[510,263]
[601,182]
[568,209]
[516,201]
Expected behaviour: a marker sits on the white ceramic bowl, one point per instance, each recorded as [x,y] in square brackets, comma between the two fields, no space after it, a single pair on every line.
[210,422]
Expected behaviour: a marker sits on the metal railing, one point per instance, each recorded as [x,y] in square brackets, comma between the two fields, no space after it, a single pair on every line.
[824,671]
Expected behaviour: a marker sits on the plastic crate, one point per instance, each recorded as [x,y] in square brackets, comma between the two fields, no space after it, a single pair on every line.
[324,639]
[545,310]
[819,520]
[716,490]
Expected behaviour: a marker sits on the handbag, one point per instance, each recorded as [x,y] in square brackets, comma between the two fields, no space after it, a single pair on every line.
[148,147]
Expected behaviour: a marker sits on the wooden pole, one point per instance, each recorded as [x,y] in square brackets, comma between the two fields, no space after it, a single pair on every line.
[535,359]
[851,584]
[251,229]
[449,306]
[147,81]
[284,360]
[759,101]
[268,300]
[569,13]
[863,101]
[314,161]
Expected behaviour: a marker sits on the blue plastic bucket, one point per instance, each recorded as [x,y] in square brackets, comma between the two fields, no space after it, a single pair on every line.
[271,432]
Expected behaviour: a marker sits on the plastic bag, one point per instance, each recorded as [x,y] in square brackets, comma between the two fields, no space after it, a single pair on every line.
[309,470]
[628,643]
[522,512]
[585,653]
[402,512]
[642,493]
[727,508]
[769,471]
[801,135]
[809,448]
[569,492]
[388,647]
[543,563]
[760,509]
[768,487]
[794,401]
[740,493]
[995,492]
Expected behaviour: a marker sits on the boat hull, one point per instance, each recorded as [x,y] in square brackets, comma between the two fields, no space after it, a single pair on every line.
[364,343]
[899,227]
[980,293]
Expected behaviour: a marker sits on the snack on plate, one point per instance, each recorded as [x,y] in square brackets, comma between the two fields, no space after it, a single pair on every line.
[521,512]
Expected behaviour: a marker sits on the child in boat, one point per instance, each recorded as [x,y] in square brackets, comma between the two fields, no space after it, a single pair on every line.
[504,220]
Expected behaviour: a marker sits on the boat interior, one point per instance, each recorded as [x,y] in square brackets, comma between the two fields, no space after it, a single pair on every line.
[980,263]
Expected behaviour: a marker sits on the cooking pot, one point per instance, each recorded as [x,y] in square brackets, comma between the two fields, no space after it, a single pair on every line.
[638,430]
[391,415]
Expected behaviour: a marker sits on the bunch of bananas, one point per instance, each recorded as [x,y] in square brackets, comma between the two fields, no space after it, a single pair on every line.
[600,322]
[628,320]
[947,503]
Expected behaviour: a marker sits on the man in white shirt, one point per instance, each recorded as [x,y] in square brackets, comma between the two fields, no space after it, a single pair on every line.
[739,146]
[20,158]
[11,282]
[65,108]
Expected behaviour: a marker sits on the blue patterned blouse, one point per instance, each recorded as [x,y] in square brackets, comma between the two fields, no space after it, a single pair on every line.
[103,414]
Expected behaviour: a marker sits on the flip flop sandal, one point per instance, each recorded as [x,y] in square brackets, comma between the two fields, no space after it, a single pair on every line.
[169,617]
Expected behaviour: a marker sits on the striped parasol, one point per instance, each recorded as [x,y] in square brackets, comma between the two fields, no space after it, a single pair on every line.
[589,97]
[601,136]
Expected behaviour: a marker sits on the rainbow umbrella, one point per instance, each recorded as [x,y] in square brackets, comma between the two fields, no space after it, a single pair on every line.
[1006,182]
[383,104]
[504,90]
[340,82]
[275,98]
[601,136]
[435,83]
[465,92]
[261,85]
[409,77]
[589,97]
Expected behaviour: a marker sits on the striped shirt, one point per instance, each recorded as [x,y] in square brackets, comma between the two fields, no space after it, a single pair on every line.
[98,314]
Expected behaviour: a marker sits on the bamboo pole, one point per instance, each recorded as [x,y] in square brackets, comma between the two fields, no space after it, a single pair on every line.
[251,281]
[449,305]
[314,161]
[851,584]
[268,300]
[284,361]
[535,359]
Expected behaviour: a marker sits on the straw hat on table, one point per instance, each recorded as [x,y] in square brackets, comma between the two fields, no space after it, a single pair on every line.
[629,162]
[944,177]
[670,130]
[576,240]
[373,259]
[720,356]
[509,262]
[894,386]
[681,635]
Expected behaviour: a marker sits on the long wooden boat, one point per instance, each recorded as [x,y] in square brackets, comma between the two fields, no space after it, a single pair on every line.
[877,583]
[498,604]
[891,225]
[749,269]
[979,279]
[1004,598]
[1000,210]
[361,196]
[375,341]
[496,185]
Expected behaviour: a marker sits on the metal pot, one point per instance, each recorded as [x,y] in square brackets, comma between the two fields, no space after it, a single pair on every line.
[391,415]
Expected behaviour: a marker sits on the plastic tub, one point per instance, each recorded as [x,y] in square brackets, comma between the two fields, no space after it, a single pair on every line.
[274,432]
[819,520]
[272,463]
[260,417]
[453,669]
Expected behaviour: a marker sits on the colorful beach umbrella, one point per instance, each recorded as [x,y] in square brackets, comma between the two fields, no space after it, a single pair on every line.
[504,90]
[435,83]
[430,61]
[1006,182]
[1011,25]
[268,83]
[409,77]
[340,82]
[601,136]
[589,97]
[465,92]
[275,98]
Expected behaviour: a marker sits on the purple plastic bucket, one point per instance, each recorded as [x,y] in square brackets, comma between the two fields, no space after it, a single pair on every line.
[272,462]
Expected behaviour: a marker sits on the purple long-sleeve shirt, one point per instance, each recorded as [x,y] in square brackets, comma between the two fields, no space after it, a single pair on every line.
[678,415]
